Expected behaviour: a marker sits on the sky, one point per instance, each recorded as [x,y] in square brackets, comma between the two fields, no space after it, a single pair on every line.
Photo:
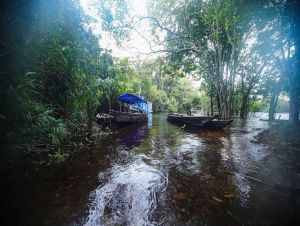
[137,46]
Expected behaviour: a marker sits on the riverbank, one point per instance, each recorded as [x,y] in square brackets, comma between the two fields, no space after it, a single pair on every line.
[280,137]
[44,155]
[53,194]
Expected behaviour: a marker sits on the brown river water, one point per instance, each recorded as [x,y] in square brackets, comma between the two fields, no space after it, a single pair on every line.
[160,174]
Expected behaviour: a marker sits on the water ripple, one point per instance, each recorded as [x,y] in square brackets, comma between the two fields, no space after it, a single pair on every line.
[128,197]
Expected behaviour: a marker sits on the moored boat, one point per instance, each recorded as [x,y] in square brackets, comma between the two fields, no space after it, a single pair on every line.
[204,122]
[137,110]
[129,117]
[218,123]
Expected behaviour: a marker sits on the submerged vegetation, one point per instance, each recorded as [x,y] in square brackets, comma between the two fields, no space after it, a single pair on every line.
[55,76]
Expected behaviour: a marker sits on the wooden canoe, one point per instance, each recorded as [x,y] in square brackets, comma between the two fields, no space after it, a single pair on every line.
[205,122]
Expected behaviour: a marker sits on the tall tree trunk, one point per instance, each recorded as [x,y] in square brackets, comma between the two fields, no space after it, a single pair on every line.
[109,100]
[245,103]
[244,100]
[211,105]
[225,106]
[273,105]
[219,104]
[294,107]
[244,106]
[295,75]
[211,100]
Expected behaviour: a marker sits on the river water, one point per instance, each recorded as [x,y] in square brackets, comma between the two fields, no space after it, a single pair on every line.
[160,174]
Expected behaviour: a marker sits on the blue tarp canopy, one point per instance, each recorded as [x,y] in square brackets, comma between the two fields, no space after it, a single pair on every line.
[130,98]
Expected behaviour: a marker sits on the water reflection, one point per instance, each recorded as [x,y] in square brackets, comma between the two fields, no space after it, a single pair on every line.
[149,121]
[188,159]
[133,135]
[185,177]
[160,174]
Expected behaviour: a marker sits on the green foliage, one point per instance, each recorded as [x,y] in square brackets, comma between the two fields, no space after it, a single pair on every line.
[58,132]
[58,157]
[158,81]
[54,76]
[258,105]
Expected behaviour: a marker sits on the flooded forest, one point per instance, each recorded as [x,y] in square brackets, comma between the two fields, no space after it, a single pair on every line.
[150,112]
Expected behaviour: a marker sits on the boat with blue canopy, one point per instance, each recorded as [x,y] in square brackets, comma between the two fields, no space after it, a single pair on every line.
[135,109]
[136,103]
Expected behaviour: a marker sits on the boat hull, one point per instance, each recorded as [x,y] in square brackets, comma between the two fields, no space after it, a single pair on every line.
[128,117]
[218,124]
[186,119]
[204,122]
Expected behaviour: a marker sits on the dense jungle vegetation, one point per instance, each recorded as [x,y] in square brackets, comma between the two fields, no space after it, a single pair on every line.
[55,76]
